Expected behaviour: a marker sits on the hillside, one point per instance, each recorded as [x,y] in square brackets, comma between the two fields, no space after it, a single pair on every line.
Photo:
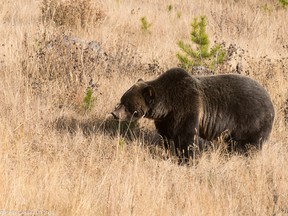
[64,66]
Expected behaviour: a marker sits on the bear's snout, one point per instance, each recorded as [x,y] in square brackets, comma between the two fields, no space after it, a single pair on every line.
[114,115]
[120,113]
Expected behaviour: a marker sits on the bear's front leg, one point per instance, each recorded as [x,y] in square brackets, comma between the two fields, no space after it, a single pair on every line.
[180,135]
[186,145]
[165,128]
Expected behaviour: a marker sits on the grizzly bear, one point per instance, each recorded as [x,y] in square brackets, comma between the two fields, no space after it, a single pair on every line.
[186,107]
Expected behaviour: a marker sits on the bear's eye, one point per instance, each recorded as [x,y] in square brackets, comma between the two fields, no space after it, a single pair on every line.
[127,108]
[130,108]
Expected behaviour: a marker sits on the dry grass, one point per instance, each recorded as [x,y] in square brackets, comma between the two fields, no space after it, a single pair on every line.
[58,158]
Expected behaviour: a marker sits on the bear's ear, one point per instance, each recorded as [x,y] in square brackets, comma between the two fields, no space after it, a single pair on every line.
[149,95]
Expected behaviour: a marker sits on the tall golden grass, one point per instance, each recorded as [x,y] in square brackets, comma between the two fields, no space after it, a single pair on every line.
[56,158]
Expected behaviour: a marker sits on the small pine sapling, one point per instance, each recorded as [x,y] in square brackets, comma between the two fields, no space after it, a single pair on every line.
[89,100]
[202,55]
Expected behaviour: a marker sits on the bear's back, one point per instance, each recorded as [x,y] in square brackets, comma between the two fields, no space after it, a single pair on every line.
[237,103]
[234,88]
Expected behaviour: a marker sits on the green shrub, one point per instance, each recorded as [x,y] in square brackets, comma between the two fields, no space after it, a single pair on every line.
[170,8]
[88,100]
[145,25]
[201,55]
[284,3]
[267,8]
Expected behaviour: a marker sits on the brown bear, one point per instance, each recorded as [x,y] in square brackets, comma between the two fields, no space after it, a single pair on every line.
[186,107]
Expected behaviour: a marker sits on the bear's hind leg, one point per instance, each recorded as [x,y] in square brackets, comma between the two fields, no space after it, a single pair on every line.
[245,147]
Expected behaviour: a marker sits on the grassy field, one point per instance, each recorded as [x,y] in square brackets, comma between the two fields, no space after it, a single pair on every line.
[61,154]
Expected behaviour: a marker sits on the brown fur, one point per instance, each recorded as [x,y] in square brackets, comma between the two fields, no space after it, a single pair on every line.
[184,107]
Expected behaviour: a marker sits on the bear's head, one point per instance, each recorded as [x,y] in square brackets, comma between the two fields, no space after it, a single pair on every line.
[136,102]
